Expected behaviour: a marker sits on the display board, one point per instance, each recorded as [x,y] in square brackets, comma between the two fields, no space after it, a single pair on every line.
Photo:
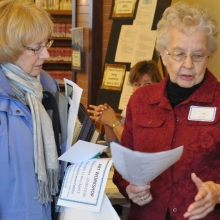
[132,39]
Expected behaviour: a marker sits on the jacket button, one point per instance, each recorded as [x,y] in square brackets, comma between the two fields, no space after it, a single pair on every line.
[18,112]
[175,210]
[173,139]
[150,122]
[177,119]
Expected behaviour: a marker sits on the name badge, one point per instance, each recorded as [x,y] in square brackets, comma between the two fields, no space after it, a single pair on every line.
[198,113]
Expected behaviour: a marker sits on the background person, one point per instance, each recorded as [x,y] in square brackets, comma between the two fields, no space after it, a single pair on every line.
[29,169]
[163,116]
[141,74]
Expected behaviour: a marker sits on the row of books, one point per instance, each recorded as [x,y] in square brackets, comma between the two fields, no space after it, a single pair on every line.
[60,74]
[62,30]
[54,4]
[60,54]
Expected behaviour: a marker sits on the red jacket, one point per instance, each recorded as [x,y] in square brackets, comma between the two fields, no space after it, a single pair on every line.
[152,125]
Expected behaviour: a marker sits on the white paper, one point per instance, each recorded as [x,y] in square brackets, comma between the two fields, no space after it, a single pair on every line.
[84,184]
[141,168]
[107,212]
[124,51]
[145,13]
[74,93]
[135,44]
[126,93]
[144,46]
[82,151]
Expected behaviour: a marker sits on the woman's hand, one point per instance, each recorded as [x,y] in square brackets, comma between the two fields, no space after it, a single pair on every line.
[205,200]
[96,112]
[108,116]
[103,114]
[139,194]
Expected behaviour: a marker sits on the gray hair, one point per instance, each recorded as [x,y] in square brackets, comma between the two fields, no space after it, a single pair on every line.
[188,18]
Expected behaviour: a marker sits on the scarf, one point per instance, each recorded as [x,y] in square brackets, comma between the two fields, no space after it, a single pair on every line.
[28,90]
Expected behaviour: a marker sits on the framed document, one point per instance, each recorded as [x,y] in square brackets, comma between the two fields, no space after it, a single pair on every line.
[76,60]
[113,76]
[123,8]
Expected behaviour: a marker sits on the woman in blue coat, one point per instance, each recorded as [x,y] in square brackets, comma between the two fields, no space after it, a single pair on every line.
[29,169]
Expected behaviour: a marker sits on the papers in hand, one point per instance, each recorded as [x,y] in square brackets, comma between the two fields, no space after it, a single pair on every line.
[141,168]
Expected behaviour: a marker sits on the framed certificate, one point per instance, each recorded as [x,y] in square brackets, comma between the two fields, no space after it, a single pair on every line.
[113,76]
[76,60]
[123,8]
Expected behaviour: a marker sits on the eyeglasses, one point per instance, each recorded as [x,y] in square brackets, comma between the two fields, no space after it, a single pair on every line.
[40,48]
[179,56]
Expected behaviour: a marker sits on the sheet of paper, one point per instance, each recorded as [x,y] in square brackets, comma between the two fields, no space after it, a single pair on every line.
[125,47]
[126,93]
[107,212]
[84,184]
[82,151]
[145,13]
[74,93]
[135,44]
[143,46]
[141,168]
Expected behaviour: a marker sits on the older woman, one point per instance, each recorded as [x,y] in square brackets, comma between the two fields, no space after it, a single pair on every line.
[29,169]
[183,109]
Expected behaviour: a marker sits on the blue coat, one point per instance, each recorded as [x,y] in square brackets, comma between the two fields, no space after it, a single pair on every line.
[18,182]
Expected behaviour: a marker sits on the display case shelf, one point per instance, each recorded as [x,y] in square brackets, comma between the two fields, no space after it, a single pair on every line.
[60,69]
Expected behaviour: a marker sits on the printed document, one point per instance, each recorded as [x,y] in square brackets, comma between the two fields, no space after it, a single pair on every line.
[84,184]
[141,168]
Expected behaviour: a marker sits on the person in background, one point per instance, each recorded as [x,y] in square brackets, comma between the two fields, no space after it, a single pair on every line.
[141,74]
[29,169]
[183,109]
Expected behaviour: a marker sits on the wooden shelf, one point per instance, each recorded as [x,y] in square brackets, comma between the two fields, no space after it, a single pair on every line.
[60,69]
[63,62]
[61,38]
[60,12]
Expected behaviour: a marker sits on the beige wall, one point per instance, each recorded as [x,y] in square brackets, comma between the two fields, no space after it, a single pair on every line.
[213,6]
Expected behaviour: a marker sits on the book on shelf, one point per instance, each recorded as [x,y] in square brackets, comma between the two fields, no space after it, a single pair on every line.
[95,136]
[77,129]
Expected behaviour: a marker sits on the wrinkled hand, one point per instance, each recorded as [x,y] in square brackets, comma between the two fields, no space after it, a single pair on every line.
[139,194]
[205,200]
[96,111]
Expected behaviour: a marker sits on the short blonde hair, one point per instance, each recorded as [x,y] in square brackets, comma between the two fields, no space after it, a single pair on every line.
[21,23]
[188,18]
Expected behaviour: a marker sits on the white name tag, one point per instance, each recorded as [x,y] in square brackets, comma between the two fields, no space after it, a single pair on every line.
[198,113]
